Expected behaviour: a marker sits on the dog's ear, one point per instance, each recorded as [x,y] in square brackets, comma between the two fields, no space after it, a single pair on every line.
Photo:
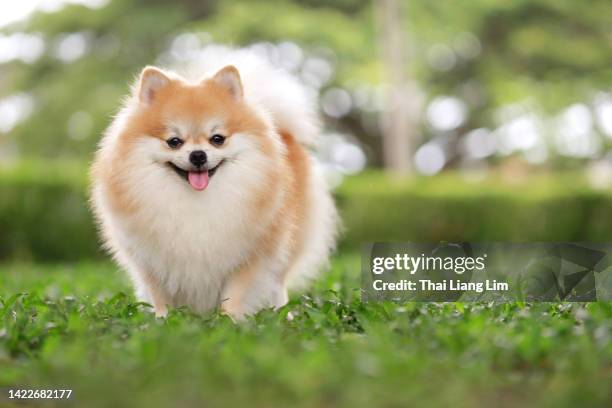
[152,80]
[229,78]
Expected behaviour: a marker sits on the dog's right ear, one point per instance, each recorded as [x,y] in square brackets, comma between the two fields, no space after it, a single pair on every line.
[152,80]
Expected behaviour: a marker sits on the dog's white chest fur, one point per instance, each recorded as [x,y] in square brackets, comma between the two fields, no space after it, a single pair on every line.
[189,240]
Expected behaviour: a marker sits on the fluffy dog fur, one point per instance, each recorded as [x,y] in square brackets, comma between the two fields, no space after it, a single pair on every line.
[264,221]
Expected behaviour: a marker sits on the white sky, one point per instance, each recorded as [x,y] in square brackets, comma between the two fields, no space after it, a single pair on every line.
[15,10]
[11,11]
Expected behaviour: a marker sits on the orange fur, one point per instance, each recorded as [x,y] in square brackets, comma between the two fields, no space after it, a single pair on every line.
[273,212]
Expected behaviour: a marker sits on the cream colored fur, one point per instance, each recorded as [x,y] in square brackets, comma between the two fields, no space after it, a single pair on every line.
[184,247]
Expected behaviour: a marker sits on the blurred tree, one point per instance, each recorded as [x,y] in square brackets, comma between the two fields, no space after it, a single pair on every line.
[398,126]
[487,54]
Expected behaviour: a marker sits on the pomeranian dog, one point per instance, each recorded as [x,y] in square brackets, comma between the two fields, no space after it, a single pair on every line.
[205,190]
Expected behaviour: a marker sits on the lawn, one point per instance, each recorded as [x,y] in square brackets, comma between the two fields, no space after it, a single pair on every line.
[77,326]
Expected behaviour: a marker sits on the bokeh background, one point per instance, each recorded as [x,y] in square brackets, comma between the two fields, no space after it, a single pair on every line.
[480,120]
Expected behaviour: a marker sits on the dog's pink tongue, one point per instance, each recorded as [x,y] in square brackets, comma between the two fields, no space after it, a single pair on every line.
[198,179]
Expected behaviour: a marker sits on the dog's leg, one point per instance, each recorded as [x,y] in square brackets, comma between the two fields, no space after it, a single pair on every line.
[251,289]
[234,292]
[157,296]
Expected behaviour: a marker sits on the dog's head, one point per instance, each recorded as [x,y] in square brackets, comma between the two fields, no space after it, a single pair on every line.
[196,131]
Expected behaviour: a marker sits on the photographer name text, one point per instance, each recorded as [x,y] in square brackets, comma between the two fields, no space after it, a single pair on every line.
[443,285]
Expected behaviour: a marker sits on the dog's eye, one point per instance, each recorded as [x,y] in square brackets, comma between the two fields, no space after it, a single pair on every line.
[217,140]
[174,142]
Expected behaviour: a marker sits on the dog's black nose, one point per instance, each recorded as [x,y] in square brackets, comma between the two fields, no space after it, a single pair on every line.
[197,158]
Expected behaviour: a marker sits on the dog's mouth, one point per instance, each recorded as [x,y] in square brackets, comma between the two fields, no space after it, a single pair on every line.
[198,179]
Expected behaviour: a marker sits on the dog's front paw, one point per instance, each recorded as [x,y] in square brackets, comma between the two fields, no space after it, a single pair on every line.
[161,312]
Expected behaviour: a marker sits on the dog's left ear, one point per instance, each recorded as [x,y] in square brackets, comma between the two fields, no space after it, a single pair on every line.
[229,78]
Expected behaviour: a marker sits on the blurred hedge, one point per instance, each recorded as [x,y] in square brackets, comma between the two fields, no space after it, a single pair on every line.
[44,214]
[449,208]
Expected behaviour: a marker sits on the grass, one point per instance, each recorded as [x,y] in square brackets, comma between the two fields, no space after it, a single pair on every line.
[77,326]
